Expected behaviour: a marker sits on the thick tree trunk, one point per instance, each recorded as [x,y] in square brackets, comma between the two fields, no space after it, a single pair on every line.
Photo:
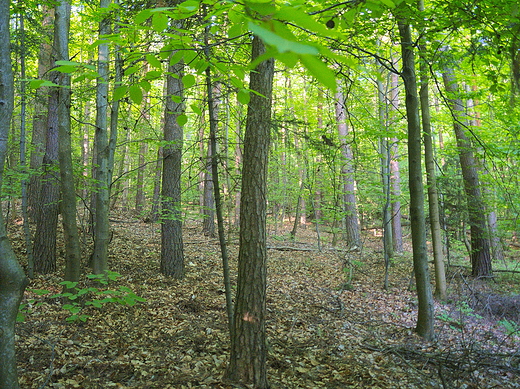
[247,364]
[172,249]
[41,100]
[418,221]
[352,228]
[44,244]
[480,246]
[12,278]
[102,196]
[68,191]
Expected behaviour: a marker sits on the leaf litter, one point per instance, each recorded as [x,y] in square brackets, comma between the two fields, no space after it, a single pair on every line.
[327,327]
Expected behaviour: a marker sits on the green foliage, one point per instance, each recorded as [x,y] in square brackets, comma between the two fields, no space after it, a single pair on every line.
[80,297]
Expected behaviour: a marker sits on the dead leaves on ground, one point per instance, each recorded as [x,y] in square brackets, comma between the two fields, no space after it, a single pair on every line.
[320,335]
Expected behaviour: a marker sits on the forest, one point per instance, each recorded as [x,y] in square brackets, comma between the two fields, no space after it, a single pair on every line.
[259,194]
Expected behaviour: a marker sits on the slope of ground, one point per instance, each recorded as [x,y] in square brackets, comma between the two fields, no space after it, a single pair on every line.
[330,324]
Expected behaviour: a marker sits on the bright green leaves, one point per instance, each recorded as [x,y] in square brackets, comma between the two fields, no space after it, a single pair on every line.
[159,22]
[136,94]
[188,80]
[282,44]
[319,70]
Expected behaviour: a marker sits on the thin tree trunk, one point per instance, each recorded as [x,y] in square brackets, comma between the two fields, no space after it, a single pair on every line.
[425,317]
[480,246]
[68,190]
[352,230]
[12,277]
[172,249]
[433,197]
[102,196]
[395,175]
[247,364]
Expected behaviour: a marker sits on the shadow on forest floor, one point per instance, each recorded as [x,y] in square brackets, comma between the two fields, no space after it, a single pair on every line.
[323,331]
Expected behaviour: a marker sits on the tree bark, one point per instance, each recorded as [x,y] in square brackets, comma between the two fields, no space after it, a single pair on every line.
[172,249]
[247,363]
[352,228]
[425,318]
[480,246]
[433,197]
[102,195]
[12,277]
[68,191]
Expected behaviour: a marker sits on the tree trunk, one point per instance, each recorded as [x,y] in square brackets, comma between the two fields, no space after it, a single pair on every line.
[433,197]
[418,223]
[395,174]
[352,228]
[12,277]
[102,196]
[172,249]
[41,100]
[44,244]
[247,363]
[480,247]
[68,191]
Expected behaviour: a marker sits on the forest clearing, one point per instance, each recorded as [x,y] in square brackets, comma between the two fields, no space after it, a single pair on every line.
[323,331]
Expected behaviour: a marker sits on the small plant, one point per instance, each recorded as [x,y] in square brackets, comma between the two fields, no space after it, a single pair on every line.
[80,297]
[512,328]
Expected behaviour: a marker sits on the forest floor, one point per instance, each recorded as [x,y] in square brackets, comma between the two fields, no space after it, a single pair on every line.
[330,322]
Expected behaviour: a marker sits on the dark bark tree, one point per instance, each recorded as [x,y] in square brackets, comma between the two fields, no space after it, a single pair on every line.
[480,246]
[247,364]
[41,100]
[47,208]
[12,277]
[425,318]
[68,191]
[172,249]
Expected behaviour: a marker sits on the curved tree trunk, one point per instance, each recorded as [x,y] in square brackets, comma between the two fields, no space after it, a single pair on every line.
[247,364]
[12,278]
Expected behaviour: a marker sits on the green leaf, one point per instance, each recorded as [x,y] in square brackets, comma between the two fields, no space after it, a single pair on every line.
[182,120]
[145,85]
[237,29]
[319,70]
[243,96]
[159,22]
[302,19]
[153,61]
[136,94]
[188,80]
[289,59]
[119,92]
[131,70]
[142,16]
[196,109]
[35,84]
[282,45]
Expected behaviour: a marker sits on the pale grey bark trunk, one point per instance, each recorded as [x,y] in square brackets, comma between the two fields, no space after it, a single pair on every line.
[384,152]
[172,249]
[395,174]
[99,261]
[352,227]
[12,277]
[247,364]
[425,317]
